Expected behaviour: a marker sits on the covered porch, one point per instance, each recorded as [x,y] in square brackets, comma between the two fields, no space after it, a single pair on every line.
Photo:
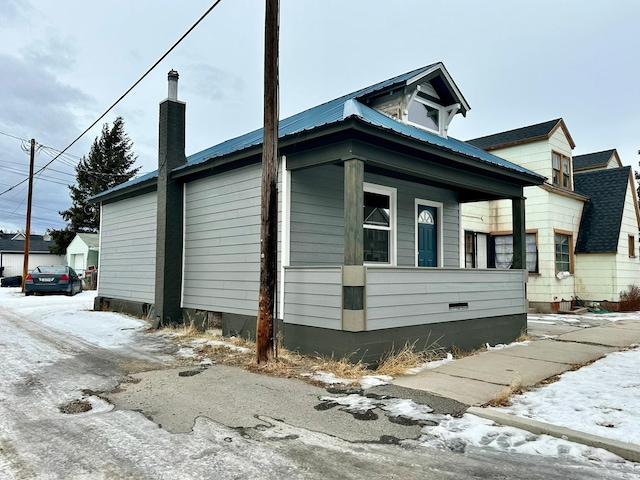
[366,282]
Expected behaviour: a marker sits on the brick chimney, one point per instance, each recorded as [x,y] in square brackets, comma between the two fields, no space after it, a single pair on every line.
[169,246]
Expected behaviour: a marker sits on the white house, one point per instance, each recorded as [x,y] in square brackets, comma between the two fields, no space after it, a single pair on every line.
[12,253]
[582,223]
[82,252]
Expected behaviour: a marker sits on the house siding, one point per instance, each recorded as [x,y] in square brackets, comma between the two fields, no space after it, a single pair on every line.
[13,263]
[403,297]
[313,297]
[128,249]
[628,267]
[545,212]
[221,242]
[317,217]
[604,276]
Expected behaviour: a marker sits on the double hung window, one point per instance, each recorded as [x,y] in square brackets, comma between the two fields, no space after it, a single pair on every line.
[379,224]
[561,165]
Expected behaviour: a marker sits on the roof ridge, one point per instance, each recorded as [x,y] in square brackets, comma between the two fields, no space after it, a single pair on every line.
[554,121]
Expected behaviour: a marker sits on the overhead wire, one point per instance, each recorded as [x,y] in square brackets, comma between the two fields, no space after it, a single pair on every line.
[202,17]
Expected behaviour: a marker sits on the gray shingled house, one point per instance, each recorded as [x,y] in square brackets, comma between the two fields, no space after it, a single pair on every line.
[370,187]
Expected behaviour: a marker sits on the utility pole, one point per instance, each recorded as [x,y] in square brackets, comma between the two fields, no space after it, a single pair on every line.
[27,233]
[269,211]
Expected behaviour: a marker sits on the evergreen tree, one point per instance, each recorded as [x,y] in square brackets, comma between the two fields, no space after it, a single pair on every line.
[109,163]
[62,239]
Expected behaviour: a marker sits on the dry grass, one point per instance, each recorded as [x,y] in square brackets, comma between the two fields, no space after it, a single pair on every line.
[458,353]
[503,397]
[523,337]
[291,364]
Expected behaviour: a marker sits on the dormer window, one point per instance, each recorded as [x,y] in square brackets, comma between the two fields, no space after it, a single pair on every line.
[561,165]
[428,100]
[425,114]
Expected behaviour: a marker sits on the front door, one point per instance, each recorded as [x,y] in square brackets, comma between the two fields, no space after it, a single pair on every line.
[427,236]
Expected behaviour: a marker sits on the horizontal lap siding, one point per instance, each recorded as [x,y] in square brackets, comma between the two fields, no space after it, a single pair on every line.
[222,242]
[415,296]
[128,249]
[313,297]
[407,193]
[317,216]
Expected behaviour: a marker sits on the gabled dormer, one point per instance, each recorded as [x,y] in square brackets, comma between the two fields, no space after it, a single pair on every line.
[19,236]
[429,100]
[546,148]
[597,161]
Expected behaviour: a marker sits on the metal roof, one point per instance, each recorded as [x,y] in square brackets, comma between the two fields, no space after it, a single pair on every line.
[339,110]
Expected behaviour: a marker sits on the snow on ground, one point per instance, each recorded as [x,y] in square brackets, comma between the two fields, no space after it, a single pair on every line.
[599,398]
[602,399]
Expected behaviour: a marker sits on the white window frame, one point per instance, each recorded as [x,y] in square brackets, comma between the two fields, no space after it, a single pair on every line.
[442,116]
[439,209]
[392,193]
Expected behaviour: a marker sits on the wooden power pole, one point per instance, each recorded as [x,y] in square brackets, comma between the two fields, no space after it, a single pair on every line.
[27,233]
[269,211]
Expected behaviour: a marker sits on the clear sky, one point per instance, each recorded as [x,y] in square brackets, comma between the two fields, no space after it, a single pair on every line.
[516,62]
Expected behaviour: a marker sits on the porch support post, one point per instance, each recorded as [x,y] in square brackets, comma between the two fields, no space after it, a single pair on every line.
[519,234]
[353,274]
[353,211]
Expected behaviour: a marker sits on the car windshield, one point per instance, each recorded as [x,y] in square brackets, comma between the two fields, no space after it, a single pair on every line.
[54,269]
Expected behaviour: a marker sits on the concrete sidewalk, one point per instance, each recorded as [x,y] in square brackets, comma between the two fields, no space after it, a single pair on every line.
[557,348]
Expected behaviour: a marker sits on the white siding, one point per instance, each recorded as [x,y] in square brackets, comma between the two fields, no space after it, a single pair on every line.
[128,249]
[13,262]
[544,213]
[603,276]
[222,242]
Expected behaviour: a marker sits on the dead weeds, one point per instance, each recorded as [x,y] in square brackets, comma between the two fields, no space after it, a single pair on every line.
[240,352]
[503,397]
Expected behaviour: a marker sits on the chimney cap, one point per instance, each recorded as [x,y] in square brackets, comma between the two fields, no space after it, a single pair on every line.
[172,74]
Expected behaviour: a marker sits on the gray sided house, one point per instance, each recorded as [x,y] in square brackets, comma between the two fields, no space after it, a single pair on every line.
[370,187]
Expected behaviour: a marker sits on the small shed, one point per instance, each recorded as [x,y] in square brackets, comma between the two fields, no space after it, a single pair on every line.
[82,252]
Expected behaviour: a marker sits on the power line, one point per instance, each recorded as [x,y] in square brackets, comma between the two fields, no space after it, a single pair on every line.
[13,136]
[204,15]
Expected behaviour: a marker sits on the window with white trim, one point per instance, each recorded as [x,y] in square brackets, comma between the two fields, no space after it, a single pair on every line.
[379,224]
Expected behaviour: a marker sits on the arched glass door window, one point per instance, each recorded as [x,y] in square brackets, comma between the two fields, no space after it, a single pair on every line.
[426,217]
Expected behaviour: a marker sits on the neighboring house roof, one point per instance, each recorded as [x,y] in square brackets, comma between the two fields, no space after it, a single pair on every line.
[339,110]
[91,240]
[602,215]
[37,244]
[531,133]
[593,160]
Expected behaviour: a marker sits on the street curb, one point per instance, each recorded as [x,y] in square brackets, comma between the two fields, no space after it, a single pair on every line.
[628,451]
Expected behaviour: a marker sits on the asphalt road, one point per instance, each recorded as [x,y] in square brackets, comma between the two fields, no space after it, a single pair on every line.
[240,436]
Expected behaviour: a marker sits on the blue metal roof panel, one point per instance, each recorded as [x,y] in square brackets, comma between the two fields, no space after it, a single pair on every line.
[376,118]
[335,111]
[130,183]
